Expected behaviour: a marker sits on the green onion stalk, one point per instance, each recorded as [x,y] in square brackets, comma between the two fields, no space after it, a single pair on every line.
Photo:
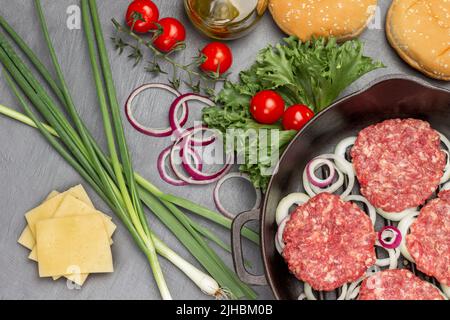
[112,176]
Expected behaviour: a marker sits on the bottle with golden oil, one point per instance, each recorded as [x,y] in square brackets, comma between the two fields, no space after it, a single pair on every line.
[225,19]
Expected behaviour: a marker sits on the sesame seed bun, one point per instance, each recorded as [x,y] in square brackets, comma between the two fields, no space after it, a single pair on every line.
[420,33]
[342,19]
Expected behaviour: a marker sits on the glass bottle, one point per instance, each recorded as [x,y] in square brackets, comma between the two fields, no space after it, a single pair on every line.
[225,19]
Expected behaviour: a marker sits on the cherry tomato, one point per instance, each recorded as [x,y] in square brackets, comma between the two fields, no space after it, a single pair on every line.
[149,12]
[218,57]
[296,116]
[173,32]
[267,107]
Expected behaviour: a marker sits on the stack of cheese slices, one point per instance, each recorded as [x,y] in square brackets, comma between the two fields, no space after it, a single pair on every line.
[68,237]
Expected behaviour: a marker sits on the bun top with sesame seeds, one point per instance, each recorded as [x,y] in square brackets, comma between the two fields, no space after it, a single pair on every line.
[343,19]
[420,33]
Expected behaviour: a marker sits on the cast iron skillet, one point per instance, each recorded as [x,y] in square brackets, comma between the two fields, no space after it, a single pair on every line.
[385,98]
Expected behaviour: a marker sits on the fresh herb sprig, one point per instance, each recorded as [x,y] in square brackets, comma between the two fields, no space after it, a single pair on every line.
[197,80]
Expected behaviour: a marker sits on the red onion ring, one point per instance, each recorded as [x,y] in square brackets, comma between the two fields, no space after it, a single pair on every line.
[161,164]
[395,242]
[176,125]
[159,132]
[311,168]
[197,174]
[200,178]
[219,184]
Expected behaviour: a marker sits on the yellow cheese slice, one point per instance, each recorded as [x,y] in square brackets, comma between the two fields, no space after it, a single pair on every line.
[27,238]
[66,207]
[71,206]
[73,245]
[47,209]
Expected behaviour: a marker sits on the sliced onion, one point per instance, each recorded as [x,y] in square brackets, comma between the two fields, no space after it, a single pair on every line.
[193,171]
[219,184]
[308,291]
[392,261]
[162,166]
[353,289]
[287,202]
[446,186]
[446,290]
[396,237]
[446,175]
[312,166]
[343,294]
[341,151]
[404,226]
[372,212]
[158,132]
[396,216]
[348,170]
[200,178]
[279,235]
[176,125]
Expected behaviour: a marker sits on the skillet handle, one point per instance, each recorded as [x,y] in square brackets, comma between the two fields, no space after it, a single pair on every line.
[236,243]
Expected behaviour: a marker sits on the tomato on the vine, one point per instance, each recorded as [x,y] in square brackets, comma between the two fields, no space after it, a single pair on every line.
[218,57]
[172,33]
[148,12]
[267,107]
[296,116]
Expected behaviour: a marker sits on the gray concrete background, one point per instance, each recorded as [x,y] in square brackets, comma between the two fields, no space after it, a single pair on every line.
[29,168]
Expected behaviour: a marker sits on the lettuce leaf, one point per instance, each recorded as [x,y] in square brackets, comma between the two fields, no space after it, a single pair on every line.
[313,73]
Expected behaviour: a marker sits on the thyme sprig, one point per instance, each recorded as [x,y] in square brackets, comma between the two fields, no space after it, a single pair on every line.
[197,80]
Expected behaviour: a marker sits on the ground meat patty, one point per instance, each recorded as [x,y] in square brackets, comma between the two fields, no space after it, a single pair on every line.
[397,284]
[329,242]
[399,163]
[429,240]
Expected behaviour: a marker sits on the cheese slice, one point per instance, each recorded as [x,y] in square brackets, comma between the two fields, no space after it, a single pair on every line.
[73,245]
[71,206]
[27,238]
[75,201]
[48,208]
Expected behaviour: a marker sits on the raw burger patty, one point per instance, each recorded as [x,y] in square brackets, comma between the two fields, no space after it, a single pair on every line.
[429,240]
[397,284]
[399,163]
[329,242]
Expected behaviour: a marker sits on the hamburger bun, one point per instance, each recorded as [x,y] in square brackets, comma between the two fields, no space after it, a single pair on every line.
[343,19]
[420,33]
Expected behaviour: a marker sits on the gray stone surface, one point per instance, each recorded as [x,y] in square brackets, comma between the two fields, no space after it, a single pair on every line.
[29,168]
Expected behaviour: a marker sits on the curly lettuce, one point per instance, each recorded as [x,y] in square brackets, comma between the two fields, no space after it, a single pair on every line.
[313,73]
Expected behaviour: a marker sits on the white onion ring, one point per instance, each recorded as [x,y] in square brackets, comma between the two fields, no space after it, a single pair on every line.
[396,216]
[372,212]
[343,294]
[308,291]
[219,184]
[404,226]
[341,150]
[446,186]
[279,235]
[446,175]
[332,188]
[158,132]
[348,170]
[287,202]
[312,166]
[353,289]
[392,261]
[446,290]
[312,190]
